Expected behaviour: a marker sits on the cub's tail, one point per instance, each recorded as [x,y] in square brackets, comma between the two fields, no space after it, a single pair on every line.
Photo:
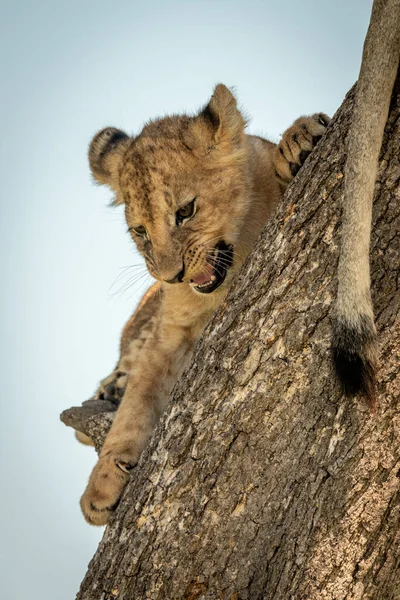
[354,341]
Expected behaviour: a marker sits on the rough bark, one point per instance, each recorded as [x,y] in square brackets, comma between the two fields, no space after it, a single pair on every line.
[262,481]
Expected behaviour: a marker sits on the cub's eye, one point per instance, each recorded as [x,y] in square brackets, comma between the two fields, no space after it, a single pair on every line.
[139,230]
[185,213]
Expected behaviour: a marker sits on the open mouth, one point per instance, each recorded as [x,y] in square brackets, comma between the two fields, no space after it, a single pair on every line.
[220,263]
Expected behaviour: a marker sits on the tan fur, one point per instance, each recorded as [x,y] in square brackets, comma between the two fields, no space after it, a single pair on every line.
[236,180]
[354,334]
[83,438]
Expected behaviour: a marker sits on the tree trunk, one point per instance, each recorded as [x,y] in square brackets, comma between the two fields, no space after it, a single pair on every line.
[262,481]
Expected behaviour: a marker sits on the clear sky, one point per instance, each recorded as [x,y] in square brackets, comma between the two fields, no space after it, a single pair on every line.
[67,70]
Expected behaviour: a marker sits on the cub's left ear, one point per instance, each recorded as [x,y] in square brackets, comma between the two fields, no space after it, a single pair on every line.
[223,117]
[105,153]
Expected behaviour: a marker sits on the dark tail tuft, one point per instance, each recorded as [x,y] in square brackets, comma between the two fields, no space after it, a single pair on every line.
[355,357]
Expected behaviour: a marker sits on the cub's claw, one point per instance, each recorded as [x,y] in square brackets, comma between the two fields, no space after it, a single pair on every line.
[112,388]
[106,484]
[296,144]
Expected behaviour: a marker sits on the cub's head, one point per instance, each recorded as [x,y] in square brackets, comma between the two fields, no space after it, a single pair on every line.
[184,183]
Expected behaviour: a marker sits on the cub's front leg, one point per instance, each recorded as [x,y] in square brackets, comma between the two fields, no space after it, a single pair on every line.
[137,330]
[161,361]
[296,144]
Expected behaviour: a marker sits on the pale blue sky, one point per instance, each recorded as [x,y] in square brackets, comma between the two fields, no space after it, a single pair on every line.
[67,70]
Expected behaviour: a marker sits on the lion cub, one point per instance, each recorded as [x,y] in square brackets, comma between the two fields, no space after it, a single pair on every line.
[197,191]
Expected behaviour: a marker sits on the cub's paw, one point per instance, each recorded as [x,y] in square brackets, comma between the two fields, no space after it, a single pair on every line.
[112,388]
[105,487]
[296,144]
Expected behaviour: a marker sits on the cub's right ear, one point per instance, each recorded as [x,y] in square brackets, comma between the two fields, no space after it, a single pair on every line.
[105,153]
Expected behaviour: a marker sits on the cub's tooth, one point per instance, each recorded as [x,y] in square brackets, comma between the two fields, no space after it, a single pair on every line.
[213,278]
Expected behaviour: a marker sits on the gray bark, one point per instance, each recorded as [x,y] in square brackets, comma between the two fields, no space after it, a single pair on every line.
[262,481]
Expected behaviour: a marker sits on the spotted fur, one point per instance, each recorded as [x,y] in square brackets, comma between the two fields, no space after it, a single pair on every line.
[229,182]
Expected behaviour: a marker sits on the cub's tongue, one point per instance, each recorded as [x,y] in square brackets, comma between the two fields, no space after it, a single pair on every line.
[203,277]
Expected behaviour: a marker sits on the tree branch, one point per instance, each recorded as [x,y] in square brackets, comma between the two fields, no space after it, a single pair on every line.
[261,481]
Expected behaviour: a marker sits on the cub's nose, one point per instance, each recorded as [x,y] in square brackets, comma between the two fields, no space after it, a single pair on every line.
[178,277]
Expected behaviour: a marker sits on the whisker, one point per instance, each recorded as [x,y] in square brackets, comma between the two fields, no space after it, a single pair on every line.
[126,272]
[145,282]
[131,282]
[213,239]
[130,266]
[221,259]
[221,254]
[134,285]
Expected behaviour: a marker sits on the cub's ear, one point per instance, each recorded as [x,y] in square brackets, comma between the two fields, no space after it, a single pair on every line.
[105,153]
[222,117]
